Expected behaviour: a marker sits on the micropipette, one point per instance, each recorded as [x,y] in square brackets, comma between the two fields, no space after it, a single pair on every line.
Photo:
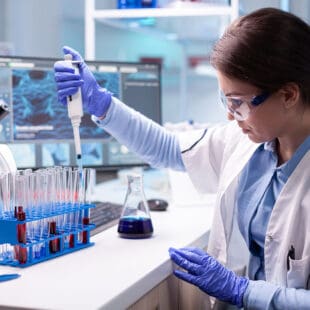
[75,112]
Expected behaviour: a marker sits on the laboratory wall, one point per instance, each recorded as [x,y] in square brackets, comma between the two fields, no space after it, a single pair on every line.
[42,27]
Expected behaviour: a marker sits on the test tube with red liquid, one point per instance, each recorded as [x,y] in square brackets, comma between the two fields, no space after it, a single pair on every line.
[21,236]
[54,244]
[85,233]
[88,182]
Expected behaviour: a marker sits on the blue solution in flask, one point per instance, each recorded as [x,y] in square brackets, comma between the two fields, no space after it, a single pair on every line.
[135,221]
[135,227]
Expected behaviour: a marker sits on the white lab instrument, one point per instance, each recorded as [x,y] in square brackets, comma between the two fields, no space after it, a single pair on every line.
[7,162]
[75,109]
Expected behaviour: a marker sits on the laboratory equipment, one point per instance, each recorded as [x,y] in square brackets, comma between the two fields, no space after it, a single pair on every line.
[44,214]
[96,99]
[132,4]
[135,221]
[157,204]
[4,109]
[21,252]
[75,111]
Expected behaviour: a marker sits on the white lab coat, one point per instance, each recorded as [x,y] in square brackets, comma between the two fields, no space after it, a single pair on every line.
[215,163]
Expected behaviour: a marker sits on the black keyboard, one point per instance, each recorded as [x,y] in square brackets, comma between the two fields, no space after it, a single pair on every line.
[105,215]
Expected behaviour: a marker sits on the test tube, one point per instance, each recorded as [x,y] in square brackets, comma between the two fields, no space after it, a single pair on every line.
[51,190]
[45,192]
[32,195]
[55,243]
[27,192]
[21,191]
[50,202]
[34,235]
[58,186]
[75,200]
[11,177]
[59,189]
[2,198]
[6,192]
[21,236]
[88,182]
[6,253]
[66,187]
[40,189]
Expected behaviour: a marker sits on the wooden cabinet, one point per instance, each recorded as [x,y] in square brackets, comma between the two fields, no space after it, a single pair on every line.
[173,294]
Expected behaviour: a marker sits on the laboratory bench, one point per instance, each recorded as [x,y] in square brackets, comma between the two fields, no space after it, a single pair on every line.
[115,273]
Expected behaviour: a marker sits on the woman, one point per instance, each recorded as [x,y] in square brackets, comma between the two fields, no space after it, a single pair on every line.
[259,163]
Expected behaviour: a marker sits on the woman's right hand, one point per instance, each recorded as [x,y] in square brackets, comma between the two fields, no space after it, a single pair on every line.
[96,100]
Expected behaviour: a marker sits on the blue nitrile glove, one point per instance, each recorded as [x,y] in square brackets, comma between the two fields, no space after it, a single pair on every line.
[96,100]
[209,275]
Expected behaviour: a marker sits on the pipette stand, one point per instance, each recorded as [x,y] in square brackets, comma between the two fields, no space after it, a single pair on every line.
[79,235]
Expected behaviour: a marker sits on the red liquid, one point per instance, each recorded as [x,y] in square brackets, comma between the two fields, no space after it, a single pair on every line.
[85,233]
[135,228]
[20,252]
[71,241]
[55,243]
[22,255]
[21,233]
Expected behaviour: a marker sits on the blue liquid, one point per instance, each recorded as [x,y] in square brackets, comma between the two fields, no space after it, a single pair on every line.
[135,227]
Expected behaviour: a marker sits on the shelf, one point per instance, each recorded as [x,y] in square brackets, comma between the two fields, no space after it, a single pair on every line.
[205,10]
[193,25]
[119,17]
[181,29]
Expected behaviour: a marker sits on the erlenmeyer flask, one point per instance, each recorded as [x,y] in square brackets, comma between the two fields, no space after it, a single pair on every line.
[135,221]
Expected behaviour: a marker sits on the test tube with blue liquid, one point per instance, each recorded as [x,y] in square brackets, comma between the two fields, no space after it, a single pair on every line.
[135,221]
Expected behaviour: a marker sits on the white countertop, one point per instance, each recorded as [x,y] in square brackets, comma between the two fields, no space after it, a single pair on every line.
[112,274]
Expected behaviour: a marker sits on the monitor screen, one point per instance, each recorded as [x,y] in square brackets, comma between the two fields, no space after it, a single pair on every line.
[38,129]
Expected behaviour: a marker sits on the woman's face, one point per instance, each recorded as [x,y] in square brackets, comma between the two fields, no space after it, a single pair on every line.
[267,121]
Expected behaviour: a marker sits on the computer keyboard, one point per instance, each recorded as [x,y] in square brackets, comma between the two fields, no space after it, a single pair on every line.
[105,215]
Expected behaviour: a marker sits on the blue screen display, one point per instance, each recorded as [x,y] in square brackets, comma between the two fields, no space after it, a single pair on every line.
[40,125]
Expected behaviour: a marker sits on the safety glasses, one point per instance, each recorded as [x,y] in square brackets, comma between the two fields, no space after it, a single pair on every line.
[240,107]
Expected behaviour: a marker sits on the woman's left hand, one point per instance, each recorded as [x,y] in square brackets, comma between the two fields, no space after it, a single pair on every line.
[209,275]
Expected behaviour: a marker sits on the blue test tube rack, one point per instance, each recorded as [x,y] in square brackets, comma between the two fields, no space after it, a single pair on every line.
[70,238]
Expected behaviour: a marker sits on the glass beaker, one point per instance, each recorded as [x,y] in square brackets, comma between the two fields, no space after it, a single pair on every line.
[135,221]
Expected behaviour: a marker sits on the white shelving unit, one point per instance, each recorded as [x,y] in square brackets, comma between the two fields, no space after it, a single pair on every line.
[92,15]
[113,18]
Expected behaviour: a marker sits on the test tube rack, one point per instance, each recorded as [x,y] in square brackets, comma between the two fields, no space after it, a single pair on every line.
[63,240]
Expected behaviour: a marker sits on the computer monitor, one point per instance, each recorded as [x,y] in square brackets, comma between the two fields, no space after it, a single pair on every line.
[38,129]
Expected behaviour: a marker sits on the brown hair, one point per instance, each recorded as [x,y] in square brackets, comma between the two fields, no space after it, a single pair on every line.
[266,48]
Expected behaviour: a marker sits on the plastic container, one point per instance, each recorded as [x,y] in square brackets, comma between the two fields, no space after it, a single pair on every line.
[54,242]
[135,4]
